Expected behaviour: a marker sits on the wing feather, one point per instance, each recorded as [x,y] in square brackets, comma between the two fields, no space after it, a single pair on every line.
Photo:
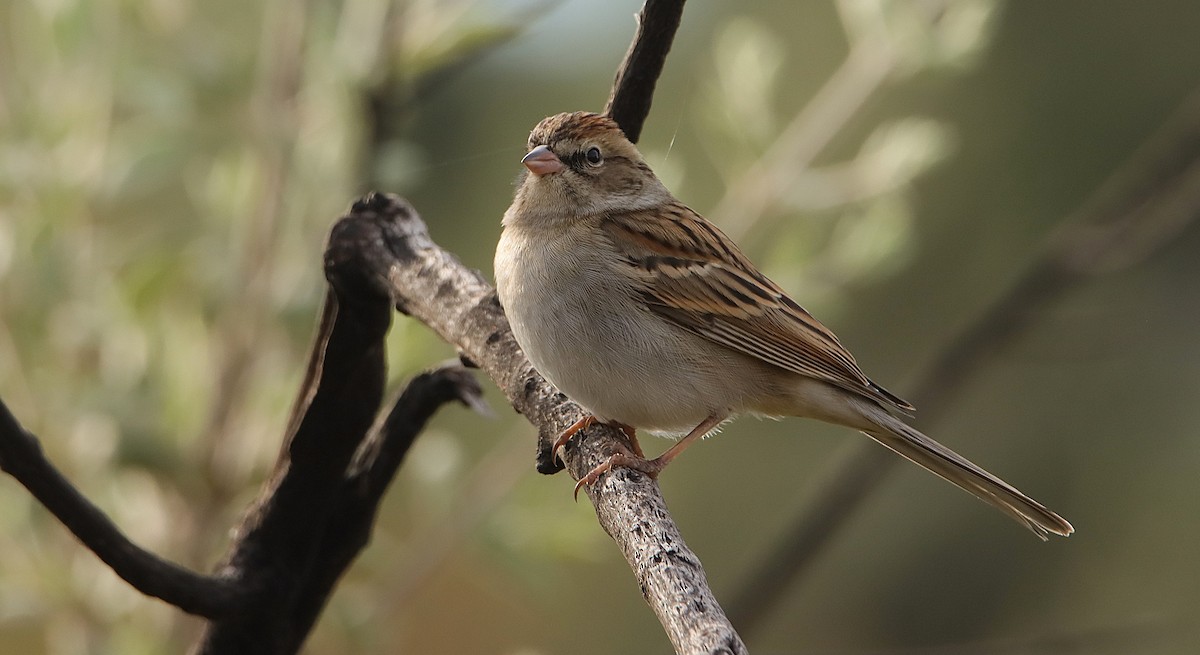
[694,276]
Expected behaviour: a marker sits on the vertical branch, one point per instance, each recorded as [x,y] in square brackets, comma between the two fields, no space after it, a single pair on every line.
[316,512]
[633,90]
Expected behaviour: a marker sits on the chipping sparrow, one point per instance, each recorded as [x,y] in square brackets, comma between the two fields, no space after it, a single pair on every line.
[645,314]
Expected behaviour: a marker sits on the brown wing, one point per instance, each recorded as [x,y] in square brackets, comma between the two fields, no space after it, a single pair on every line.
[695,276]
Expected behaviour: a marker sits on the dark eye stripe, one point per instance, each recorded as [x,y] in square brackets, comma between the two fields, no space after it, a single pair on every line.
[578,160]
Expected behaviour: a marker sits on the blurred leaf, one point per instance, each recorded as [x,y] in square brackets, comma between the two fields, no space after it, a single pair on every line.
[748,58]
[898,152]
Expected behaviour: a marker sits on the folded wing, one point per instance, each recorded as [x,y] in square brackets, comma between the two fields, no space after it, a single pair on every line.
[695,277]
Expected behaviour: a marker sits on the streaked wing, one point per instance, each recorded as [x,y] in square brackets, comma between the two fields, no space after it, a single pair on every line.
[696,277]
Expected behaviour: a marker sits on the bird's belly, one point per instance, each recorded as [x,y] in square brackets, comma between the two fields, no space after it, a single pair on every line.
[606,351]
[615,371]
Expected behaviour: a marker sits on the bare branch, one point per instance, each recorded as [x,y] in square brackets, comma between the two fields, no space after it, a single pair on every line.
[316,512]
[1150,199]
[209,596]
[633,89]
[435,288]
[362,491]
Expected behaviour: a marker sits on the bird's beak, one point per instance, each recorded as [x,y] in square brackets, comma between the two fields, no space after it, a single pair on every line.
[540,161]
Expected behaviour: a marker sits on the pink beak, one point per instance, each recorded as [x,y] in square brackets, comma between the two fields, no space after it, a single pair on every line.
[540,161]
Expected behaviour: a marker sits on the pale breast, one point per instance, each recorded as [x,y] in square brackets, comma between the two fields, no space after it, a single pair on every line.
[582,328]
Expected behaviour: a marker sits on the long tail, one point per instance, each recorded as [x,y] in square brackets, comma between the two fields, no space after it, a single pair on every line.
[949,465]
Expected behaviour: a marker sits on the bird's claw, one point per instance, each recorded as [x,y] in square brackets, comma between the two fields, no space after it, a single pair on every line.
[650,467]
[593,475]
[586,422]
[636,461]
[582,424]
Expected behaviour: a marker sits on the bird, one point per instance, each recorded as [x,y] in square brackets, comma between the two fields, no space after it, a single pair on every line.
[649,317]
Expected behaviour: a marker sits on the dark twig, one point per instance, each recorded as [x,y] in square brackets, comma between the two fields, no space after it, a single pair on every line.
[279,540]
[633,90]
[1152,197]
[435,288]
[209,596]
[313,517]
[376,463]
[315,513]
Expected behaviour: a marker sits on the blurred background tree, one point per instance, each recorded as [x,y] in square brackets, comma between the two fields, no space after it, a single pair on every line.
[168,169]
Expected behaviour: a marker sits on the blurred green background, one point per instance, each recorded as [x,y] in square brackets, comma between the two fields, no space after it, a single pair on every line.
[169,168]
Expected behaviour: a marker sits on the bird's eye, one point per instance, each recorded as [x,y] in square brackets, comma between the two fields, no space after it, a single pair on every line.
[593,156]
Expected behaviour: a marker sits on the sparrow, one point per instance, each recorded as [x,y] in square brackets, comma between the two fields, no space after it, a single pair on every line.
[648,316]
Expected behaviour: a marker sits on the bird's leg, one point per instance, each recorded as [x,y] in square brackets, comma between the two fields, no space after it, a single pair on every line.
[582,424]
[587,422]
[631,432]
[651,467]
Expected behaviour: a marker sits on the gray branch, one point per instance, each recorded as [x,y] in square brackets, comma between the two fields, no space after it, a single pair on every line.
[432,286]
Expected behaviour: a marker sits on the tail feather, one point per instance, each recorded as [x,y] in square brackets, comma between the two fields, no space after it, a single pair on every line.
[949,465]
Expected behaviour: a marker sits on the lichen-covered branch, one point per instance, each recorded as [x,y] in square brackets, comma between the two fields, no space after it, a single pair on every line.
[432,286]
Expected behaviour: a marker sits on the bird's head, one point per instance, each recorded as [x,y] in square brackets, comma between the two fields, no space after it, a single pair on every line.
[580,164]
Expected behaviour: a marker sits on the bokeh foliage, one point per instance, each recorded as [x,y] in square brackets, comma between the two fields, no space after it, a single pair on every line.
[168,169]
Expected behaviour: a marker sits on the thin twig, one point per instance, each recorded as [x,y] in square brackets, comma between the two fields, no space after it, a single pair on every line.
[362,491]
[1152,197]
[278,540]
[204,595]
[317,510]
[633,89]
